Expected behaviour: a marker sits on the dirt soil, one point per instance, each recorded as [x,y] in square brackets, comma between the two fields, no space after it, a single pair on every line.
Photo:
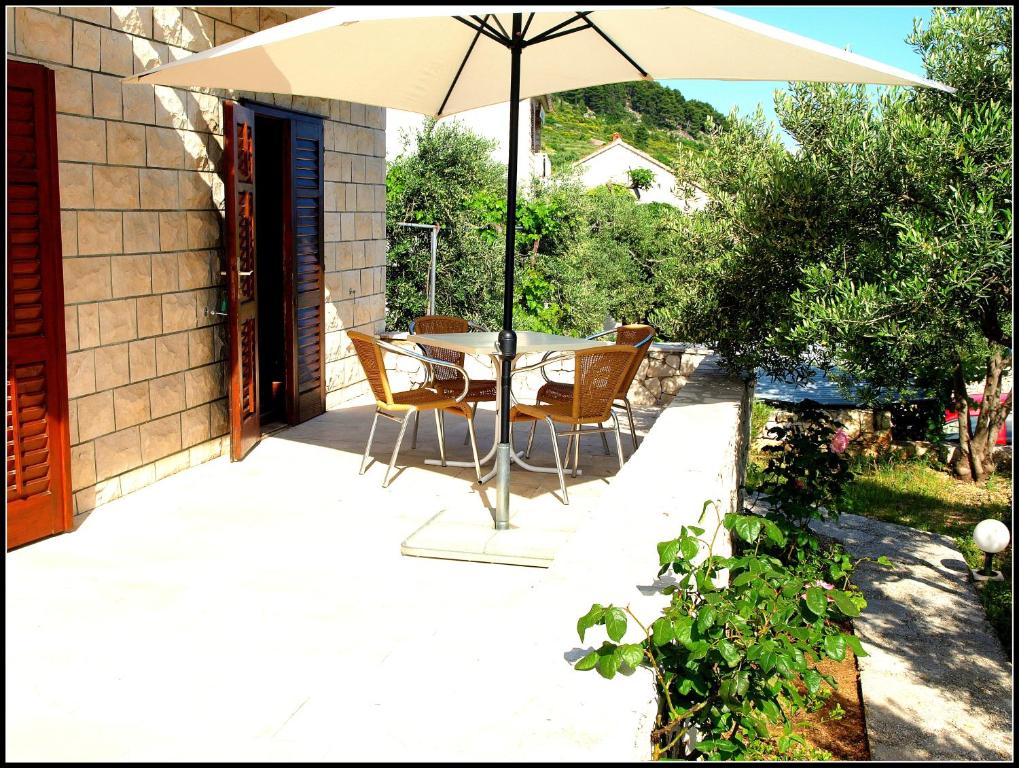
[845,738]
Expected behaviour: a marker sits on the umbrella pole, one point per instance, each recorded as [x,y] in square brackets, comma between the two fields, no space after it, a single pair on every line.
[507,337]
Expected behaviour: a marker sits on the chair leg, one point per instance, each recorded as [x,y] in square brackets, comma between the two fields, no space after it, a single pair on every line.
[396,448]
[604,441]
[629,415]
[474,447]
[576,451]
[368,448]
[569,450]
[474,410]
[619,439]
[558,462]
[442,437]
[530,439]
[414,438]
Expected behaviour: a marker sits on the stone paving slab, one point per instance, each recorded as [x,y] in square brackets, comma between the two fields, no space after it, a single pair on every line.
[224,615]
[448,538]
[936,683]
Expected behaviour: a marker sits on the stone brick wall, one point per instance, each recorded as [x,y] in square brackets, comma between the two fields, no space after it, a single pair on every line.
[142,211]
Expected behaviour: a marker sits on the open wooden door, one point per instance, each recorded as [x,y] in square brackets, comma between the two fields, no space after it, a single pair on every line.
[307,353]
[38,444]
[242,306]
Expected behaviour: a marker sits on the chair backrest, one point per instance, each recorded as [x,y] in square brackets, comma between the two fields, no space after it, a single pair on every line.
[441,324]
[639,336]
[370,355]
[596,379]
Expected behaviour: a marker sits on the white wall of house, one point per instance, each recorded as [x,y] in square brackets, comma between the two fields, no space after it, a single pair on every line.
[492,122]
[611,164]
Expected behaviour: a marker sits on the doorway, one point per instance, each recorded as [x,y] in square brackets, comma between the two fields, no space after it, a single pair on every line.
[271,162]
[274,163]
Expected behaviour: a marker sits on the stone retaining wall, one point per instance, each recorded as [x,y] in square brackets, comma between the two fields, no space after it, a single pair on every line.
[869,430]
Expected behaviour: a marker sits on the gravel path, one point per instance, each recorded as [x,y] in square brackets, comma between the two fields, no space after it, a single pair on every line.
[936,683]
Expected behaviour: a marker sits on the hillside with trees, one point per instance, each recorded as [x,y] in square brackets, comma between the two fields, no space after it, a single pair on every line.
[655,119]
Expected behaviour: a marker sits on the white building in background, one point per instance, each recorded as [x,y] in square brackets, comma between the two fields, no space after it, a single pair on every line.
[492,122]
[611,163]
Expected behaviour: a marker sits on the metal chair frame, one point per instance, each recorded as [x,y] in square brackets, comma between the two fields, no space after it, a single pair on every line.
[411,409]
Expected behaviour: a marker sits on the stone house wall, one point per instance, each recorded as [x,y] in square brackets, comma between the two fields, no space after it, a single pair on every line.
[142,212]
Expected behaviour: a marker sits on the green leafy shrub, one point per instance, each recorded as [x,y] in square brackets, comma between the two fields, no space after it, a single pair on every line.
[808,470]
[738,641]
[438,183]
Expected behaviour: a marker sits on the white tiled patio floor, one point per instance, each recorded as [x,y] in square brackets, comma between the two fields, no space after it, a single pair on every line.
[262,610]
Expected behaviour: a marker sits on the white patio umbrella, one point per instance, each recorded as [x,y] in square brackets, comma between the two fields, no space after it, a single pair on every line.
[443,60]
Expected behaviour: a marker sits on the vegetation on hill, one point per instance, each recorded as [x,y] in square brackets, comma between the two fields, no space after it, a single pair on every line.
[656,105]
[651,117]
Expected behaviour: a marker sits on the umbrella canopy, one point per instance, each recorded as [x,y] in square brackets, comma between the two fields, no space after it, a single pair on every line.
[443,60]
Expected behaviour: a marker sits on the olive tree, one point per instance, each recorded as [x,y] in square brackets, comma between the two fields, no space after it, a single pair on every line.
[881,245]
[438,182]
[928,304]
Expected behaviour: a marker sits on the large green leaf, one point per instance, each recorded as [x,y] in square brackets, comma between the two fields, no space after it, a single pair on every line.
[632,654]
[816,601]
[812,679]
[845,604]
[608,662]
[854,642]
[615,623]
[662,631]
[588,662]
[689,547]
[705,618]
[667,551]
[729,652]
[589,619]
[683,627]
[835,646]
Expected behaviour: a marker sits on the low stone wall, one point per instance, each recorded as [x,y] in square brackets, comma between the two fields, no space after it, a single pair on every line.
[870,431]
[693,453]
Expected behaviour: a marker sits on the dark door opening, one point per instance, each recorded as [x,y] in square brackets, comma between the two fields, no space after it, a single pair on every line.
[274,263]
[271,164]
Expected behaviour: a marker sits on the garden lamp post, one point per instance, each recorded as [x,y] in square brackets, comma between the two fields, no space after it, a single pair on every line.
[992,536]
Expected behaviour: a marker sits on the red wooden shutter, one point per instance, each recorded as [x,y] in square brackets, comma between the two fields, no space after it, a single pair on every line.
[242,308]
[308,341]
[38,444]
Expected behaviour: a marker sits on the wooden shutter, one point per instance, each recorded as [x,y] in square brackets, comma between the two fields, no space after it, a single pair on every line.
[38,445]
[242,307]
[307,358]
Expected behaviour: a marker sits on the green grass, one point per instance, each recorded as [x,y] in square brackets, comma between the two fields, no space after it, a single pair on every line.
[567,133]
[759,416]
[923,496]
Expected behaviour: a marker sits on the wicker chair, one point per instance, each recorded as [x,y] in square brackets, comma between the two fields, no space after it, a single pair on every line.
[639,336]
[369,352]
[599,374]
[444,379]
